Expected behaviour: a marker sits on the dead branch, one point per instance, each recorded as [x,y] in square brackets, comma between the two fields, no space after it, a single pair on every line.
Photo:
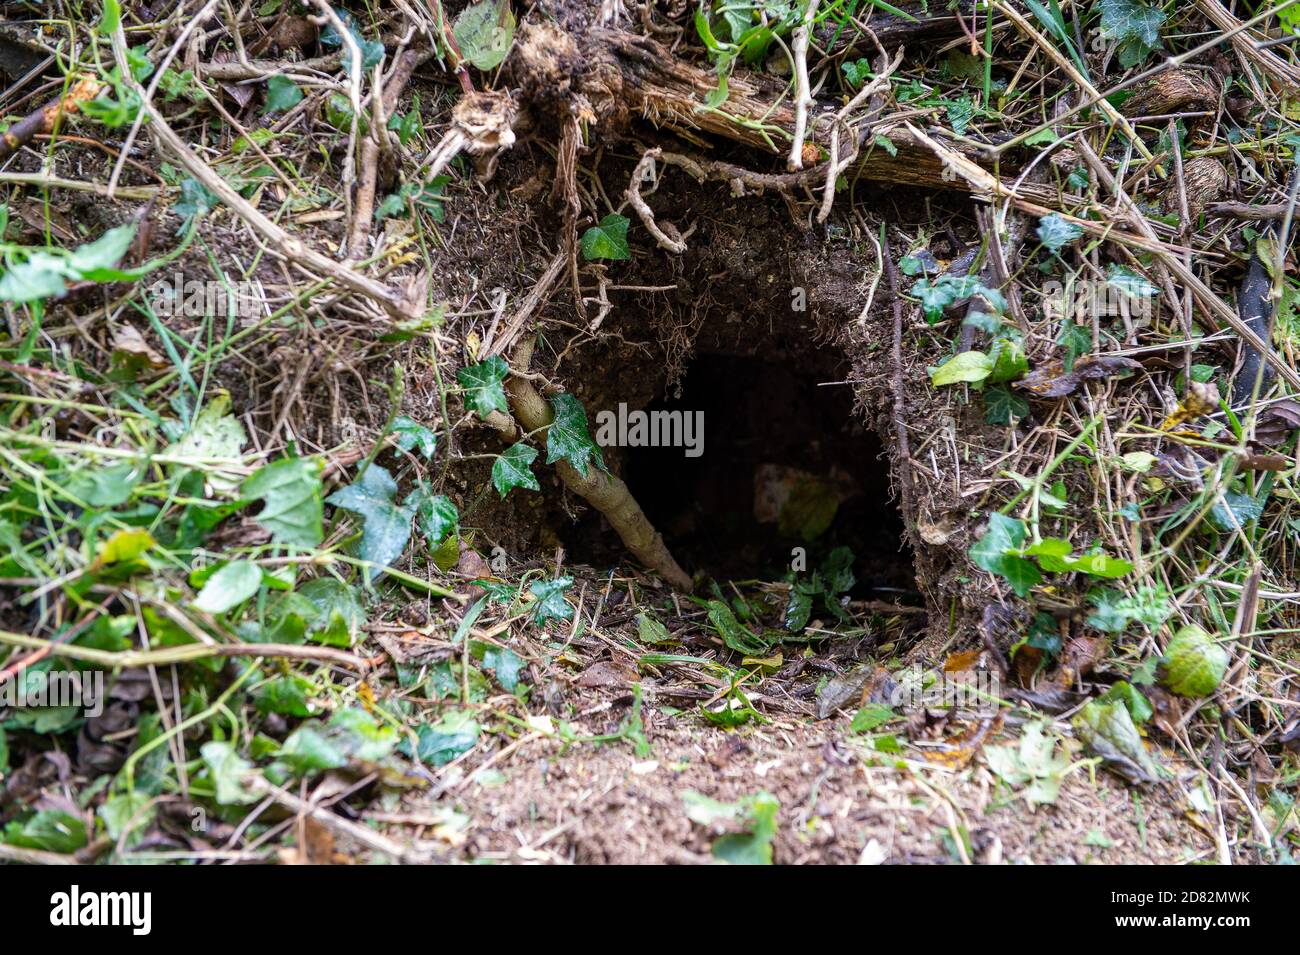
[364,208]
[280,241]
[803,98]
[44,120]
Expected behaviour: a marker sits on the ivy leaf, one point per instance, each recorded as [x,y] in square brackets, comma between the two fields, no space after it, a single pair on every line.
[291,491]
[798,609]
[734,634]
[441,742]
[282,94]
[372,51]
[484,32]
[411,435]
[386,527]
[550,603]
[97,261]
[229,587]
[436,515]
[607,240]
[942,293]
[998,552]
[1003,406]
[336,615]
[416,195]
[970,366]
[568,438]
[484,391]
[40,277]
[1009,361]
[227,770]
[514,469]
[1136,27]
[1236,510]
[1056,233]
[1129,282]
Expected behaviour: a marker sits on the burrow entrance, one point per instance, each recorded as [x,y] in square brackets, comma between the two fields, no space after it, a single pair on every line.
[784,462]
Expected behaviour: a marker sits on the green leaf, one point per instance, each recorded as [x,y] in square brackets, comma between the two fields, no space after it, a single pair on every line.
[333,615]
[126,815]
[414,196]
[96,261]
[1107,728]
[50,830]
[1009,361]
[484,32]
[386,526]
[550,603]
[757,814]
[229,587]
[38,278]
[1054,556]
[514,469]
[870,717]
[1003,406]
[484,391]
[436,515]
[215,435]
[568,437]
[1055,232]
[1109,615]
[282,94]
[607,240]
[1235,510]
[412,435]
[441,742]
[1193,664]
[942,293]
[1129,282]
[799,608]
[105,486]
[372,51]
[734,634]
[1033,764]
[968,366]
[501,662]
[1124,692]
[227,770]
[1135,25]
[998,552]
[651,631]
[350,734]
[291,491]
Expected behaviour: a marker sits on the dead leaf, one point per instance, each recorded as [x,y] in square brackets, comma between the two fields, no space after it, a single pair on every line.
[1201,399]
[606,673]
[129,343]
[1053,381]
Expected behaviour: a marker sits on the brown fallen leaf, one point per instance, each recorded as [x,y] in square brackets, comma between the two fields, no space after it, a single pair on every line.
[606,673]
[1053,381]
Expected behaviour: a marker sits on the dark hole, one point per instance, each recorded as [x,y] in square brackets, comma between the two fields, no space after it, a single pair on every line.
[786,463]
